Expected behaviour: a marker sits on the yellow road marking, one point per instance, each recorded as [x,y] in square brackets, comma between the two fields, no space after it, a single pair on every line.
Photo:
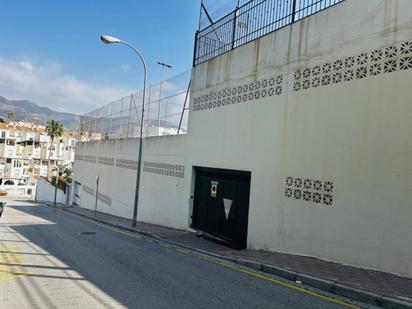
[184,251]
[9,267]
[13,277]
[10,252]
[13,273]
[290,286]
[11,259]
[9,247]
[165,245]
[10,255]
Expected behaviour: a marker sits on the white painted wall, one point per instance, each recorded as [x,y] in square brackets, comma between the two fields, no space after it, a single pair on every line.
[22,191]
[115,182]
[352,133]
[45,193]
[164,197]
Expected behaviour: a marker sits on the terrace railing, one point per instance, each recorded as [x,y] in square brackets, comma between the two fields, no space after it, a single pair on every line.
[251,21]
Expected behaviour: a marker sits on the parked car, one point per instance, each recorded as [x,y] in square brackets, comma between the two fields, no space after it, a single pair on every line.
[2,207]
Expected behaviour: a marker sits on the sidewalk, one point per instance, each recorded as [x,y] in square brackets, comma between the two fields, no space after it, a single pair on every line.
[363,281]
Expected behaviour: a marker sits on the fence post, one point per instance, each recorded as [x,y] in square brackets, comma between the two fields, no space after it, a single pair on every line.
[148,109]
[67,194]
[293,10]
[97,195]
[234,27]
[111,121]
[128,118]
[55,186]
[195,48]
[184,107]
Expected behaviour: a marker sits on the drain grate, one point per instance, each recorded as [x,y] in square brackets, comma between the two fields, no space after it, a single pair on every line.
[87,233]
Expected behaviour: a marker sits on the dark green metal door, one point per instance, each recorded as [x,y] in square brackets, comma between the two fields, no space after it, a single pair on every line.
[221,204]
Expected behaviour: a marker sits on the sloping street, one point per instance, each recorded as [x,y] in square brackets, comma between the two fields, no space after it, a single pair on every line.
[52,259]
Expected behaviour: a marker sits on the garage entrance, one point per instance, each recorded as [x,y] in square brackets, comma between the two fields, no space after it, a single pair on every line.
[221,204]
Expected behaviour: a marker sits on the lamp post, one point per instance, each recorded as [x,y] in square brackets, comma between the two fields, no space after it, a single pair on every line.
[110,40]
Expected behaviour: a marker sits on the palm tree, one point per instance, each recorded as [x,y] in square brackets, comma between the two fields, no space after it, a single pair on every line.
[10,116]
[53,129]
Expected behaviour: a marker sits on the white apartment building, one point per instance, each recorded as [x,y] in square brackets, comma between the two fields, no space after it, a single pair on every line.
[25,151]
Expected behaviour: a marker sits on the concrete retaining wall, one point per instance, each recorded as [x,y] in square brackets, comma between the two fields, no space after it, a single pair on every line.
[319,113]
[45,193]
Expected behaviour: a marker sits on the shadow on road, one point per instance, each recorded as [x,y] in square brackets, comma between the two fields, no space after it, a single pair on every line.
[90,256]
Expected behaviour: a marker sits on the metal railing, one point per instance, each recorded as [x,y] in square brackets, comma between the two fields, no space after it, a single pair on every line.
[166,110]
[251,21]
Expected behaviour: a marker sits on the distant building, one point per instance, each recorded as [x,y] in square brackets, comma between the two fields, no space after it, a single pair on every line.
[25,150]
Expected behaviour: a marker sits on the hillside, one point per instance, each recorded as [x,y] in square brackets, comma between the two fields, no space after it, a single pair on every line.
[24,110]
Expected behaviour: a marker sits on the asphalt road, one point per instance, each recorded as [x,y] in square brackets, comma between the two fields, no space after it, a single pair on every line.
[46,262]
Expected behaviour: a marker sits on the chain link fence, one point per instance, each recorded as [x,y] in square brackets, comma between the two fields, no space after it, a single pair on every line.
[166,113]
[213,10]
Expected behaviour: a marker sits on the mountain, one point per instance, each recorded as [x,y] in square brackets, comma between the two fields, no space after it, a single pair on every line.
[24,110]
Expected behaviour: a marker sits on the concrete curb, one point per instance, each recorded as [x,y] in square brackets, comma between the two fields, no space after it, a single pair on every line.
[325,285]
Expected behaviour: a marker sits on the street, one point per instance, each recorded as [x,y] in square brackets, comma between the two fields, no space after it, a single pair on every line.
[53,259]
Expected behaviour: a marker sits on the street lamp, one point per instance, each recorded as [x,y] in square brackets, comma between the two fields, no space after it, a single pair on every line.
[110,40]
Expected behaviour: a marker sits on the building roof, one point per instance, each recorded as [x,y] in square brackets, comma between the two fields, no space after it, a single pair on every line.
[31,127]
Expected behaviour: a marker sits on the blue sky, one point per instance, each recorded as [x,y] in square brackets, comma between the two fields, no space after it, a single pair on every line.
[50,51]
